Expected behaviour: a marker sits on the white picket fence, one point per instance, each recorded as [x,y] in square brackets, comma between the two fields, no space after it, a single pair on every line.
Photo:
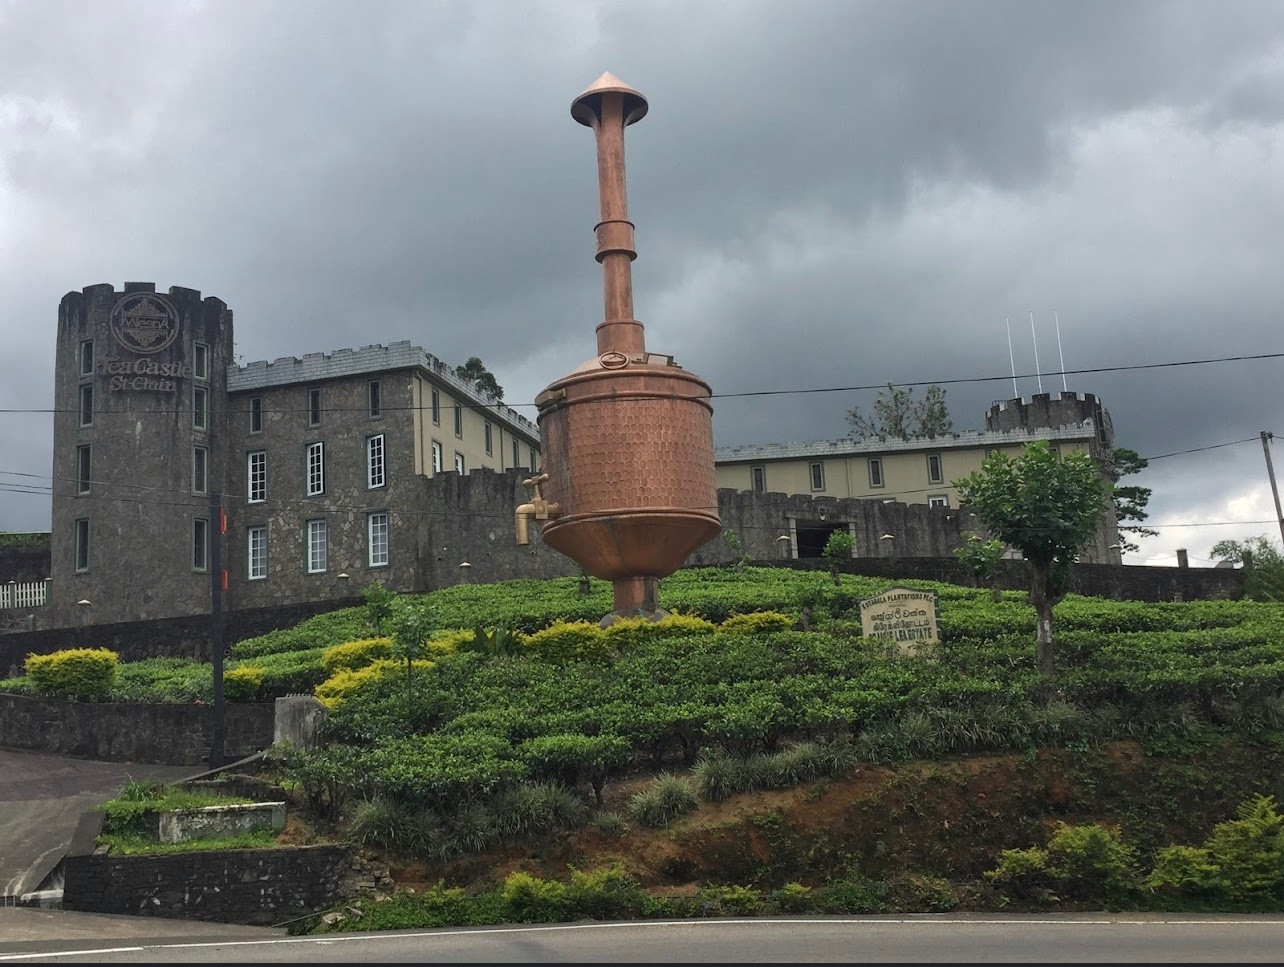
[28,594]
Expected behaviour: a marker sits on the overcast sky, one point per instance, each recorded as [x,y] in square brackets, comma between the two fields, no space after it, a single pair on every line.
[827,195]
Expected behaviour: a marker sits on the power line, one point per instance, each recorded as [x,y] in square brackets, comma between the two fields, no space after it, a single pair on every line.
[1214,446]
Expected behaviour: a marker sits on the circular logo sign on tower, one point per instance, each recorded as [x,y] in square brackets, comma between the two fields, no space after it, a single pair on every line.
[144,322]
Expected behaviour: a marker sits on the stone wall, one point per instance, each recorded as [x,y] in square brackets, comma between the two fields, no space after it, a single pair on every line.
[23,564]
[127,732]
[254,886]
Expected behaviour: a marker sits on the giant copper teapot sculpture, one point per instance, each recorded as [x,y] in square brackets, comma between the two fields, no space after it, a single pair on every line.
[627,488]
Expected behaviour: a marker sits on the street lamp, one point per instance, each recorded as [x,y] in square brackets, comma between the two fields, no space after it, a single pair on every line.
[890,538]
[84,604]
[783,541]
[464,568]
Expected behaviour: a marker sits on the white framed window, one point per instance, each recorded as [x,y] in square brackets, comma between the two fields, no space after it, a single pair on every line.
[84,465]
[200,469]
[256,553]
[377,529]
[459,463]
[200,408]
[938,500]
[934,472]
[875,471]
[758,478]
[375,476]
[200,361]
[314,407]
[459,420]
[817,472]
[318,546]
[256,414]
[374,397]
[86,357]
[436,457]
[200,544]
[87,404]
[436,408]
[256,476]
[82,544]
[488,437]
[316,469]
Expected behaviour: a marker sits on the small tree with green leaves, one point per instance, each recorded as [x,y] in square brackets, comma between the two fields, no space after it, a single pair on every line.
[474,371]
[1048,508]
[379,606]
[412,626]
[898,415]
[838,548]
[981,560]
[1262,563]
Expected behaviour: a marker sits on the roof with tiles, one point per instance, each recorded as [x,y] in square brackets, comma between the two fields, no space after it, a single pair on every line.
[368,360]
[867,445]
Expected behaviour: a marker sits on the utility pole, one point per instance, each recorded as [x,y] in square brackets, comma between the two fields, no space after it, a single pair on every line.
[1267,436]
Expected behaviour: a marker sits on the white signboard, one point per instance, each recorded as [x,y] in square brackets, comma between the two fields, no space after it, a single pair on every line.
[905,616]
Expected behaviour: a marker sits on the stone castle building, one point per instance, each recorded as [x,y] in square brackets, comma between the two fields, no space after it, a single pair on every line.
[182,479]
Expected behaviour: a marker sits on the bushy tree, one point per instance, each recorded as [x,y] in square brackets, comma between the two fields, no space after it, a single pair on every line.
[1262,562]
[474,371]
[898,415]
[838,547]
[1130,501]
[981,558]
[1047,507]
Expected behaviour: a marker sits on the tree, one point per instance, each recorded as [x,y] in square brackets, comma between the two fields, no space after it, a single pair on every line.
[1045,506]
[838,547]
[411,627]
[896,414]
[474,371]
[1262,562]
[379,606]
[1130,502]
[981,559]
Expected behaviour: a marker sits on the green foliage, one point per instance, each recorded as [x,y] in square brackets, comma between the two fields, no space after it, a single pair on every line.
[573,758]
[981,558]
[756,623]
[719,776]
[474,371]
[319,631]
[567,641]
[1262,562]
[128,811]
[664,800]
[25,540]
[1241,861]
[380,604]
[898,416]
[730,901]
[352,655]
[1130,501]
[499,642]
[84,674]
[1086,862]
[242,684]
[625,633]
[139,844]
[283,673]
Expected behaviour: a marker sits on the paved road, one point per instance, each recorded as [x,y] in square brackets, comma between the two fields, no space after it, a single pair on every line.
[41,800]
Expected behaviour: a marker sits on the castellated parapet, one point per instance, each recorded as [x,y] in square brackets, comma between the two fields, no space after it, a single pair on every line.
[1043,411]
[139,377]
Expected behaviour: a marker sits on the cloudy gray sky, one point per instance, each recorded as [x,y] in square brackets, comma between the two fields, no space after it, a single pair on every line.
[827,194]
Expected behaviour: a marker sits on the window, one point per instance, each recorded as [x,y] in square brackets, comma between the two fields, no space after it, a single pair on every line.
[459,463]
[534,462]
[87,404]
[83,463]
[200,361]
[377,527]
[87,357]
[817,476]
[759,477]
[256,414]
[938,500]
[459,420]
[317,549]
[200,544]
[82,544]
[436,407]
[256,477]
[436,457]
[200,408]
[200,469]
[374,461]
[487,436]
[316,469]
[934,474]
[875,471]
[256,553]
[374,395]
[517,459]
[314,407]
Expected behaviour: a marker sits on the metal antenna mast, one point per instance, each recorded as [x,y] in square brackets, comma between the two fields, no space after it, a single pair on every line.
[1059,352]
[1011,359]
[1036,353]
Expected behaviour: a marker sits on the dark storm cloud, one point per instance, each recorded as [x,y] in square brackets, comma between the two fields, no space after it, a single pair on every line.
[827,193]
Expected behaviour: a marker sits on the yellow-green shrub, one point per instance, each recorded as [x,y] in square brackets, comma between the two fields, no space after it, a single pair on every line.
[627,632]
[446,641]
[81,673]
[757,622]
[339,687]
[352,655]
[568,641]
[242,683]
